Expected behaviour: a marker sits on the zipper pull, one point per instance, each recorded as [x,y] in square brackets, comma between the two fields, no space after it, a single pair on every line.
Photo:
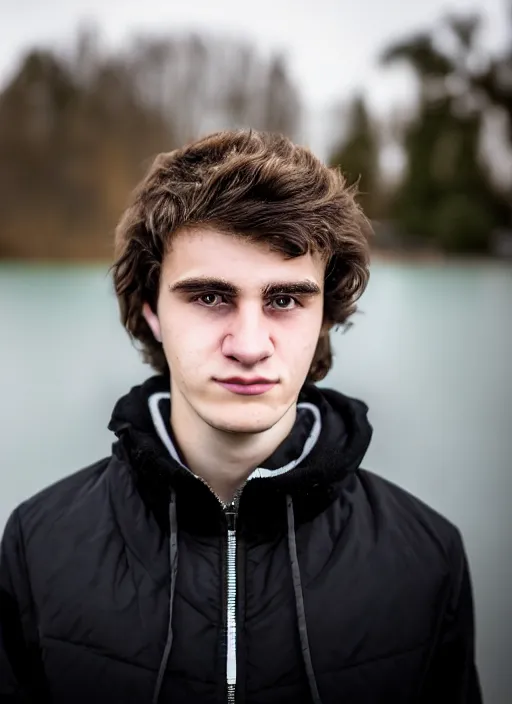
[231,514]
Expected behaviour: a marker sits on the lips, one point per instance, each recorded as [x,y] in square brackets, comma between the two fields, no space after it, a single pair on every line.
[247,387]
[247,382]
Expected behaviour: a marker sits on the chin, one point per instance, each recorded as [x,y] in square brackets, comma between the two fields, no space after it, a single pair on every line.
[237,423]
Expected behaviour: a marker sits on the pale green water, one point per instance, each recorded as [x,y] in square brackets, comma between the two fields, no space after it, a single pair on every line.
[431,355]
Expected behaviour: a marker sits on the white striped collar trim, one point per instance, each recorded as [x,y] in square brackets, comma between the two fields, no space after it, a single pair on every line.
[260,472]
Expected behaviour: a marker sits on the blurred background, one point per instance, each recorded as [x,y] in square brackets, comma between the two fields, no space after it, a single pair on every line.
[412,100]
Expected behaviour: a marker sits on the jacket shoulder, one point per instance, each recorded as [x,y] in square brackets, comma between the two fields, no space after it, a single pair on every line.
[408,517]
[48,503]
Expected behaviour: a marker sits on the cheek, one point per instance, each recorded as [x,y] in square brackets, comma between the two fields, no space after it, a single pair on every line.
[189,346]
[299,345]
[303,355]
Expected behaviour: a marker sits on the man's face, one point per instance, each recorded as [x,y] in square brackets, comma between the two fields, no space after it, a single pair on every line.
[231,309]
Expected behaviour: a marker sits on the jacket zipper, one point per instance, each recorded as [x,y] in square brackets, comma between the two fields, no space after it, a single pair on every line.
[231,515]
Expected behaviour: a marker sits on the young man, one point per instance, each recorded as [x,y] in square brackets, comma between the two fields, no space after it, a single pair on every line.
[232,549]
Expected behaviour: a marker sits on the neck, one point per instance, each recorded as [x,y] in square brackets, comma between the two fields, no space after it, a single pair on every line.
[223,459]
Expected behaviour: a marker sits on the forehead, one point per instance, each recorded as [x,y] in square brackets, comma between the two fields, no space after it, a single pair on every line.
[206,252]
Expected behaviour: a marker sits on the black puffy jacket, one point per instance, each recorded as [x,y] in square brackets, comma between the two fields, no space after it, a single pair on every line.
[128,582]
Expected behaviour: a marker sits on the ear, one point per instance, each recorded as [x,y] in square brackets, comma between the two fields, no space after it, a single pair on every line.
[151,319]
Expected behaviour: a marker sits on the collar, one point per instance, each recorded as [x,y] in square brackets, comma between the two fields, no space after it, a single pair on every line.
[293,450]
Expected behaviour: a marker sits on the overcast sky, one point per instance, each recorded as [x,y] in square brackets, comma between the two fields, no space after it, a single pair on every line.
[332,45]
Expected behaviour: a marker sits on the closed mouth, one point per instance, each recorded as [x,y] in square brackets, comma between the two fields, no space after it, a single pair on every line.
[246,382]
[247,387]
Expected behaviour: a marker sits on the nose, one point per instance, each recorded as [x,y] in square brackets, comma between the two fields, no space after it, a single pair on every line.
[248,338]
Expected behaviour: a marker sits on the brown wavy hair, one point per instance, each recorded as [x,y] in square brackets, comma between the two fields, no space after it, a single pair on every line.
[250,184]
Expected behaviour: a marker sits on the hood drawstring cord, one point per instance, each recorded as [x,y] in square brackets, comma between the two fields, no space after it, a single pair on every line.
[299,603]
[173,563]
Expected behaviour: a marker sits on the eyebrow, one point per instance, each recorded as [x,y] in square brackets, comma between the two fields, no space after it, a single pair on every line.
[209,284]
